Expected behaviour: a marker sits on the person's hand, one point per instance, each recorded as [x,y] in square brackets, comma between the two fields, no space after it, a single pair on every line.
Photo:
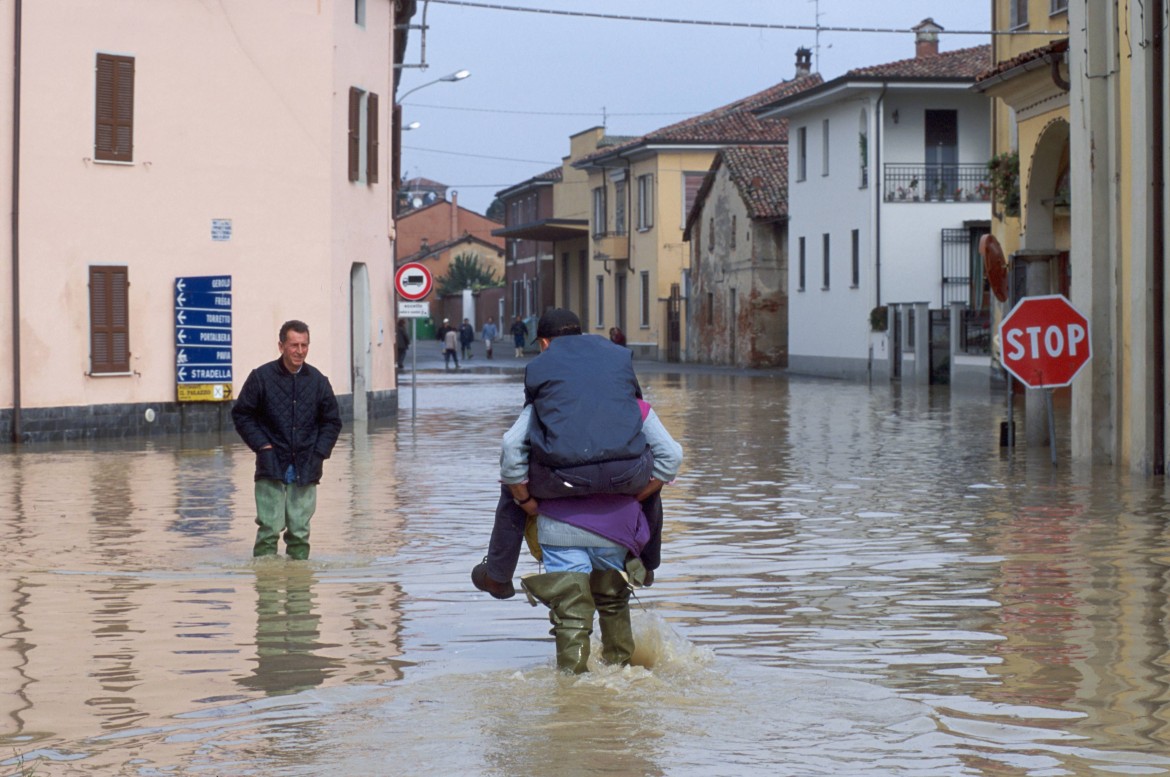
[652,487]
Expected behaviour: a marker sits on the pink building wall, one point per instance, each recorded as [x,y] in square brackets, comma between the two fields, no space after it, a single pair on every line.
[240,113]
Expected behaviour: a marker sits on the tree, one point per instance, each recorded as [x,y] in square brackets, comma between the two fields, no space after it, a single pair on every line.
[465,272]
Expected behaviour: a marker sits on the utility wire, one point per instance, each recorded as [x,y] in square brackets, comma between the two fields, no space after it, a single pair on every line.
[482,156]
[743,25]
[549,113]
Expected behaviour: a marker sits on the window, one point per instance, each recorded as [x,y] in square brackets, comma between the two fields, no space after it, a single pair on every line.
[734,229]
[620,297]
[710,308]
[645,201]
[856,266]
[359,12]
[863,149]
[825,147]
[800,264]
[566,294]
[619,207]
[711,234]
[644,313]
[363,136]
[109,326]
[600,300]
[114,109]
[599,221]
[1058,6]
[1018,13]
[825,261]
[801,153]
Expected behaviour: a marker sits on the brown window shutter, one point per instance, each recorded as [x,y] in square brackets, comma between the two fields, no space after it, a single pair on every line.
[372,138]
[355,112]
[114,112]
[109,319]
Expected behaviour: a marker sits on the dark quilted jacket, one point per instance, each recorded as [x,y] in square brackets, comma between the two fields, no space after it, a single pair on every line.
[296,414]
[583,391]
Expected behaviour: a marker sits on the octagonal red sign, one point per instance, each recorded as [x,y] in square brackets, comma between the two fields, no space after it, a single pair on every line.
[1045,341]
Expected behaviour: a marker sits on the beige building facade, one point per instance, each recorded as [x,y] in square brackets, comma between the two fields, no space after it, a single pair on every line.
[251,149]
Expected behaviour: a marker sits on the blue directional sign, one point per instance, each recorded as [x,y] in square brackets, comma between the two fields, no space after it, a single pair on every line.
[209,319]
[203,337]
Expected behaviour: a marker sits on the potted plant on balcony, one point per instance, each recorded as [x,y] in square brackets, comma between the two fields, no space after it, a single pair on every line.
[1004,176]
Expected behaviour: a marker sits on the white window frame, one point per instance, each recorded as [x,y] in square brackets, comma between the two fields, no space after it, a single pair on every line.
[599,211]
[646,201]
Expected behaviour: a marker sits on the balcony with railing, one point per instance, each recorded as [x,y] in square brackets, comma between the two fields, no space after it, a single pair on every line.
[936,183]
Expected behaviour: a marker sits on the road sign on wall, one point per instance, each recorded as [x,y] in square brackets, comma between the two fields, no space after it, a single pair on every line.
[1045,341]
[203,338]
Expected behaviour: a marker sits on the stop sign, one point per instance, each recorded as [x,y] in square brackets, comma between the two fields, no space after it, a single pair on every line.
[1045,341]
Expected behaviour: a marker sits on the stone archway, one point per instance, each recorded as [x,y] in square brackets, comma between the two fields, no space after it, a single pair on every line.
[1042,207]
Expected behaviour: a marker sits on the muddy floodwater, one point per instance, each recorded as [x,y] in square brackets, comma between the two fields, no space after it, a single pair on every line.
[856,581]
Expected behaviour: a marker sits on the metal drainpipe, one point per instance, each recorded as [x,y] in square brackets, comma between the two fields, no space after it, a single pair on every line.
[1158,230]
[16,425]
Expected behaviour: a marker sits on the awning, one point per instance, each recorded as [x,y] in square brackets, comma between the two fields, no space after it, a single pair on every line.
[546,230]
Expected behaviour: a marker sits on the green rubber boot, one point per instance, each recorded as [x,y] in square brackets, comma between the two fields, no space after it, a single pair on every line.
[571,608]
[611,593]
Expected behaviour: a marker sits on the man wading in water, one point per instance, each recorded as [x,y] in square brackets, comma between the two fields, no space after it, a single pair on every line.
[582,413]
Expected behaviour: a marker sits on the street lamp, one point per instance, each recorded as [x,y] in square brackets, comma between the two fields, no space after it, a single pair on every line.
[458,75]
[412,126]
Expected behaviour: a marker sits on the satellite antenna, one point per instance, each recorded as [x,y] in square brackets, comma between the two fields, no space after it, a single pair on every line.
[416,202]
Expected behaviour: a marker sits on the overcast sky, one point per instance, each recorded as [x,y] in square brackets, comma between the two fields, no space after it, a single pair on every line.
[538,78]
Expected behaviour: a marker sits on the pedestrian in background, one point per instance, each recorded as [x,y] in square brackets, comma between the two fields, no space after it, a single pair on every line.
[519,335]
[466,338]
[450,347]
[287,414]
[401,342]
[490,333]
[616,336]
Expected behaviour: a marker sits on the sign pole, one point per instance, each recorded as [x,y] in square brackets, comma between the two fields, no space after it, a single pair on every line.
[1051,425]
[413,369]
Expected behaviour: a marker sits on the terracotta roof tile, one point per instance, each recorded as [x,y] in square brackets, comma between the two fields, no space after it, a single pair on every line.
[760,173]
[733,123]
[1055,47]
[959,64]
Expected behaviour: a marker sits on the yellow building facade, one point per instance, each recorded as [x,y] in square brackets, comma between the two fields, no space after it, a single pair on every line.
[1029,85]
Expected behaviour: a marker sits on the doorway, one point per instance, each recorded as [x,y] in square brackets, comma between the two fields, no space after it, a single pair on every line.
[359,339]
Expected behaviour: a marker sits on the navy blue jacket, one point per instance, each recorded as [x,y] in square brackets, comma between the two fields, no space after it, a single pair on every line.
[584,394]
[294,413]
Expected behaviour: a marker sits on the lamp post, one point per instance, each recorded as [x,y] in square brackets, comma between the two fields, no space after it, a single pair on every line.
[458,75]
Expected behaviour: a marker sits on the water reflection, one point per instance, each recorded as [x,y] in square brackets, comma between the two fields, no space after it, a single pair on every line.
[289,654]
[855,580]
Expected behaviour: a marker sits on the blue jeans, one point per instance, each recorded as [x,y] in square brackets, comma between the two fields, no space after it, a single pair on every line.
[560,558]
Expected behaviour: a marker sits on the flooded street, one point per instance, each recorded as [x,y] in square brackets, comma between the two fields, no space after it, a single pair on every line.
[855,581]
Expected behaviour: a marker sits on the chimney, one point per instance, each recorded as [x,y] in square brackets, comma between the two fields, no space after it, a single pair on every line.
[926,38]
[454,215]
[803,62]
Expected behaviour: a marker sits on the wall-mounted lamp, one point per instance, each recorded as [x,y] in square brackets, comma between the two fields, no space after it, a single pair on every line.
[412,126]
